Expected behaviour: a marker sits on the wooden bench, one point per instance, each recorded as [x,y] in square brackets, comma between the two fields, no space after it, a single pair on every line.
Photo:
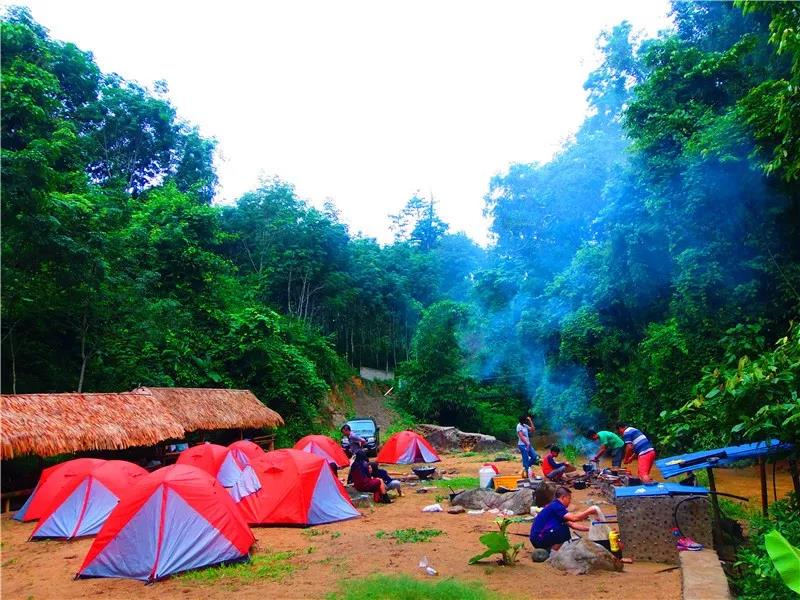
[7,496]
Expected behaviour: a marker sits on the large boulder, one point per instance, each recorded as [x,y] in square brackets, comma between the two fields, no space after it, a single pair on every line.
[518,503]
[582,557]
[450,438]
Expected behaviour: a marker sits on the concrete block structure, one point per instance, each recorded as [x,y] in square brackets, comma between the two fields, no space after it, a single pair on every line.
[646,523]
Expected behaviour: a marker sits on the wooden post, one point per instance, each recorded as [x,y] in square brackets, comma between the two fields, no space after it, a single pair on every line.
[762,467]
[715,505]
[795,476]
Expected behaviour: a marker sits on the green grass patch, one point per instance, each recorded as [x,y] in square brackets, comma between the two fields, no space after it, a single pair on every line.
[272,565]
[409,536]
[314,532]
[457,483]
[403,587]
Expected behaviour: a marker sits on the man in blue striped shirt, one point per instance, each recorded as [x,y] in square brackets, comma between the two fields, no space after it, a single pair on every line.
[637,444]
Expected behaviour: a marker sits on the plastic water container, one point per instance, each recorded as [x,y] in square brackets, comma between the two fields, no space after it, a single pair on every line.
[485,476]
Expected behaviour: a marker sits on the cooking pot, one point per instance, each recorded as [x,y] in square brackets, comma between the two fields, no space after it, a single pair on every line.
[579,485]
[588,468]
[424,472]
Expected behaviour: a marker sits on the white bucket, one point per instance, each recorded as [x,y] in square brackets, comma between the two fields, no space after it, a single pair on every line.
[485,476]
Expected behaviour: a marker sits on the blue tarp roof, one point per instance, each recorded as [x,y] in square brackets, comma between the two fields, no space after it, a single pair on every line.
[675,465]
[662,489]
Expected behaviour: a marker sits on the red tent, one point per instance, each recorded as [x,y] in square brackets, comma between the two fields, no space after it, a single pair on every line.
[249,449]
[174,519]
[405,448]
[228,464]
[50,483]
[208,457]
[82,504]
[324,447]
[297,488]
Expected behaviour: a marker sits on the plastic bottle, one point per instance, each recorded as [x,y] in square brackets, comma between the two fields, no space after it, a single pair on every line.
[613,540]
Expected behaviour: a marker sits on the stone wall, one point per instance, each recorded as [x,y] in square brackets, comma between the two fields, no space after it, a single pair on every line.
[646,522]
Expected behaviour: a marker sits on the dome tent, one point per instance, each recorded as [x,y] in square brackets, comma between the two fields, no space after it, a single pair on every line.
[324,447]
[229,465]
[50,482]
[246,450]
[297,488]
[405,448]
[81,506]
[175,519]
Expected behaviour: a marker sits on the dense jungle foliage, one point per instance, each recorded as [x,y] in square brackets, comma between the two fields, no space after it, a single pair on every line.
[648,272]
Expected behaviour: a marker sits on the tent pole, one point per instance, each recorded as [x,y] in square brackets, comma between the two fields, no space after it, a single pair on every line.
[762,467]
[715,505]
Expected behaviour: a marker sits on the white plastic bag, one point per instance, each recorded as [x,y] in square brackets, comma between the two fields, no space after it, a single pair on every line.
[433,508]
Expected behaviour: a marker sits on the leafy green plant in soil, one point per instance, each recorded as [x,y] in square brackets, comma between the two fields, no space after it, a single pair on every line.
[388,587]
[272,565]
[497,542]
[409,536]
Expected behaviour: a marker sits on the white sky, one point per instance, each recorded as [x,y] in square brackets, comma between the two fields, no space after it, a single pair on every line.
[362,102]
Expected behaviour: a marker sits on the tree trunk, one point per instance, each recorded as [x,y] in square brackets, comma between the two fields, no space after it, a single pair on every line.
[13,362]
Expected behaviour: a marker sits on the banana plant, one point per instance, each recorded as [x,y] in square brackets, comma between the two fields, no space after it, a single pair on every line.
[785,558]
[496,542]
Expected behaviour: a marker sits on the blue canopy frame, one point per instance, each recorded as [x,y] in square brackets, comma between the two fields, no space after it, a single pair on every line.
[719,457]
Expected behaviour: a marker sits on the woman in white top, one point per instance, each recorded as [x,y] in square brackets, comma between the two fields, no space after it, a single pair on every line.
[524,430]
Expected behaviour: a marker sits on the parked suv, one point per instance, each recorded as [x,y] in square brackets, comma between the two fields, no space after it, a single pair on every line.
[367,428]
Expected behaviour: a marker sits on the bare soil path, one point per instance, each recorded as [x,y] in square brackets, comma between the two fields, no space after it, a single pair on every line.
[324,556]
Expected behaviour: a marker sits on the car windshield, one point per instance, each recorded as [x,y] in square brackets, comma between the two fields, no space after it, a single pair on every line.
[362,427]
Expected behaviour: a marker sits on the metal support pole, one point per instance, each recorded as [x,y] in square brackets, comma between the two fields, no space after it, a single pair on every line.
[762,467]
[715,505]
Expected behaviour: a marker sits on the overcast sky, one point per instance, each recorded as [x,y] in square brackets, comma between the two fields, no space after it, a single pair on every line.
[367,102]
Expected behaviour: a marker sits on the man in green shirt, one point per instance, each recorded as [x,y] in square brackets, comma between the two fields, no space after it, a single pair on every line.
[610,444]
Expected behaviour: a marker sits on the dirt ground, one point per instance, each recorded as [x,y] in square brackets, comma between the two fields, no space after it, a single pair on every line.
[326,555]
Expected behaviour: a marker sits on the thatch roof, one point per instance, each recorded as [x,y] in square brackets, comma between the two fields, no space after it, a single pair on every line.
[48,424]
[203,408]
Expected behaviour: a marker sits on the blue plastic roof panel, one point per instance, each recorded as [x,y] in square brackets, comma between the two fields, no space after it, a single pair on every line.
[719,457]
[662,489]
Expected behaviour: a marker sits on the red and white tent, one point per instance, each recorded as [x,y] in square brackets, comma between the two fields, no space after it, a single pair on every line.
[297,488]
[82,504]
[406,448]
[324,447]
[230,465]
[175,519]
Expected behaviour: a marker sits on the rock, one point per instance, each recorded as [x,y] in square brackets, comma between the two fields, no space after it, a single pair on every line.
[545,494]
[540,555]
[518,503]
[582,557]
[450,438]
[456,510]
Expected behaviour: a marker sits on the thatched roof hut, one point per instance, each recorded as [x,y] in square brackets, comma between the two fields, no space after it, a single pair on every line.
[48,424]
[205,408]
